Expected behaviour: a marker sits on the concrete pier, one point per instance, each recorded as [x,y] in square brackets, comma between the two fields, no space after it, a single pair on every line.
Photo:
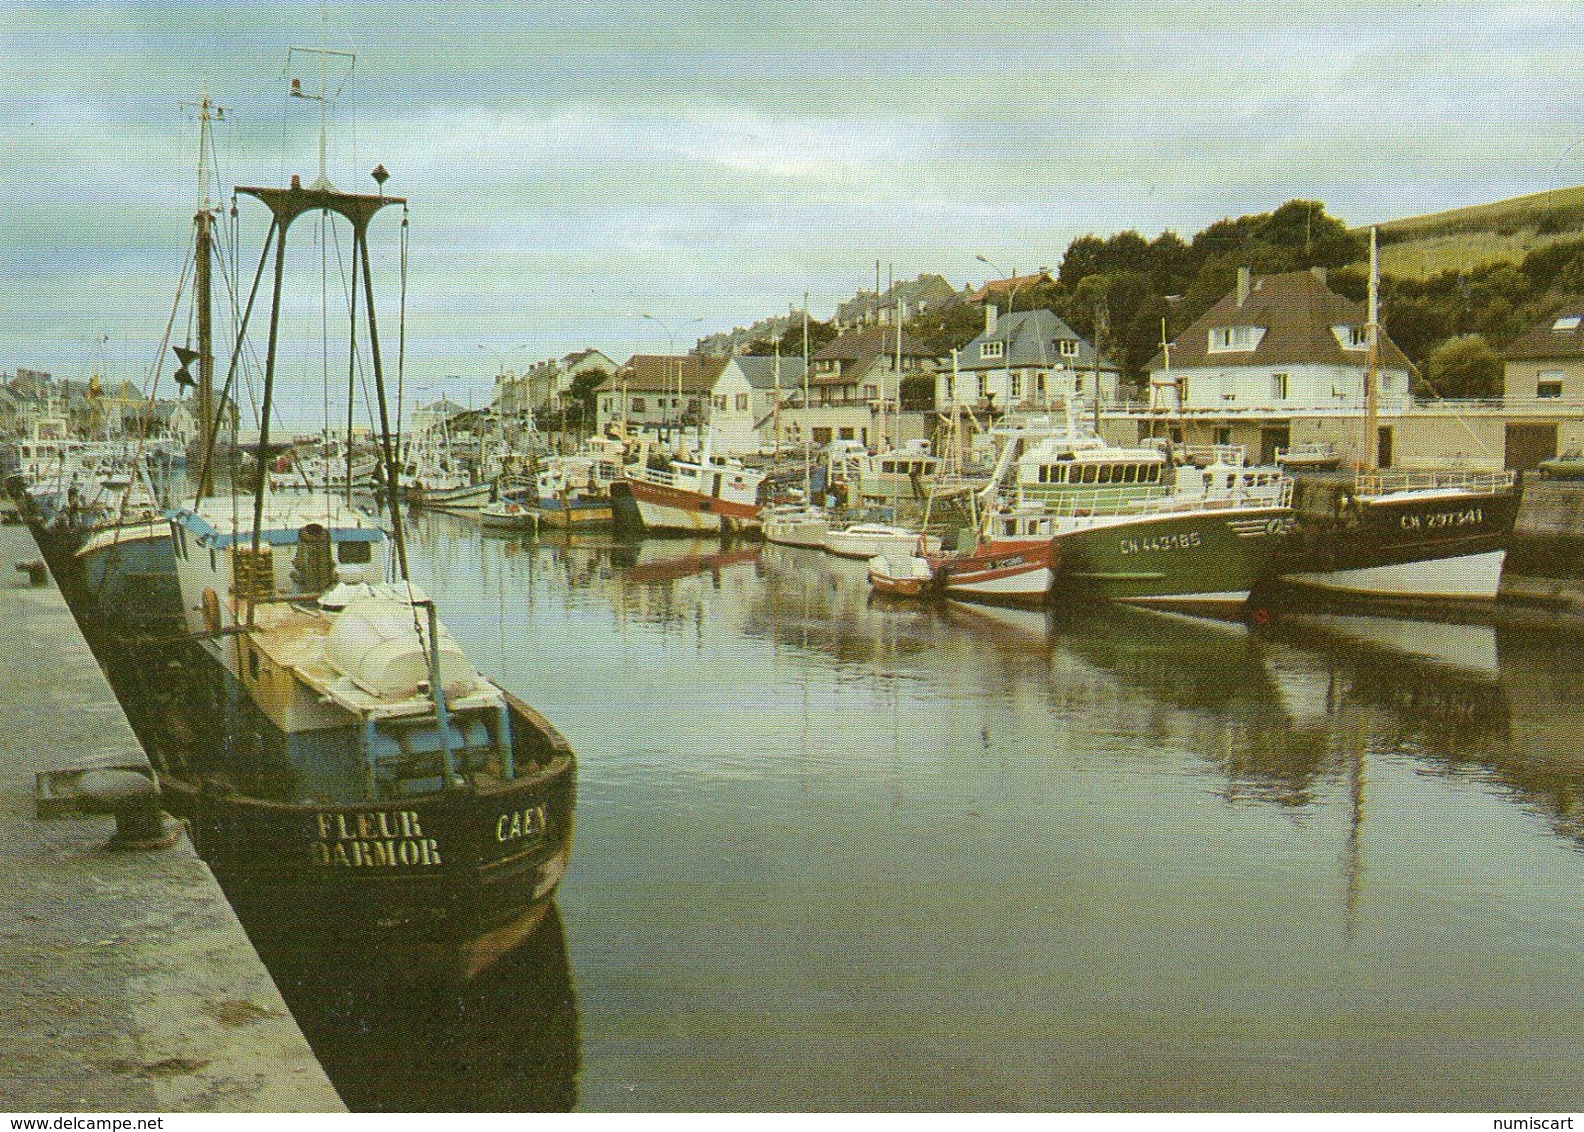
[126,983]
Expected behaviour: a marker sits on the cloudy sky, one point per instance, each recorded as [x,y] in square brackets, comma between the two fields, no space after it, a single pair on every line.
[570,166]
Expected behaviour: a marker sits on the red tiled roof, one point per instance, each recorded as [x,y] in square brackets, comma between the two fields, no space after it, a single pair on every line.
[659,373]
[997,288]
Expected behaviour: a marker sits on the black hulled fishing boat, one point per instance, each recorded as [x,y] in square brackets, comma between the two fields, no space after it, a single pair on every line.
[345,771]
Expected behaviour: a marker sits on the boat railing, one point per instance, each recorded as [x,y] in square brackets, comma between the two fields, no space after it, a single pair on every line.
[660,477]
[1246,491]
[1403,479]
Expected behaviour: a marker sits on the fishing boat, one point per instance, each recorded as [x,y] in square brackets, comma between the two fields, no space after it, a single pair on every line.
[1009,558]
[709,495]
[573,492]
[1403,534]
[1128,526]
[346,772]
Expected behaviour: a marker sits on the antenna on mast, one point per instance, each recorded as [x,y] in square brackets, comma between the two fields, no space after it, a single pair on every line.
[324,96]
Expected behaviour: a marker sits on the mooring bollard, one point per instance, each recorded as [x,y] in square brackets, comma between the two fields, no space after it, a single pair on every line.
[134,800]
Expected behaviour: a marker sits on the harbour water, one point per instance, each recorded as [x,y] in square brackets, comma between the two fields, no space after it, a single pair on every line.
[834,853]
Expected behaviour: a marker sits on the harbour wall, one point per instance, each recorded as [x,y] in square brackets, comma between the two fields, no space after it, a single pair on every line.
[126,983]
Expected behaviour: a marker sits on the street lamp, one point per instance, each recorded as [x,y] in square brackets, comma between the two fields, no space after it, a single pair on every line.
[671,333]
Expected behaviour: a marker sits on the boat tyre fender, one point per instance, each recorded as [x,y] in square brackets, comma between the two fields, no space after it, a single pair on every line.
[210,604]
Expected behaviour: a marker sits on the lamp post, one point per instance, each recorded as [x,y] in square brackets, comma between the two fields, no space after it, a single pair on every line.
[671,333]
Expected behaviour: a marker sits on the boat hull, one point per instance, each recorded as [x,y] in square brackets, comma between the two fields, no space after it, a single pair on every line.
[865,546]
[1424,546]
[1201,558]
[576,515]
[472,867]
[469,498]
[674,509]
[798,529]
[1002,573]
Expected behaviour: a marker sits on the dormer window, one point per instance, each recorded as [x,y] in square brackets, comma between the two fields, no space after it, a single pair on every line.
[1352,337]
[1567,322]
[1068,347]
[989,350]
[1226,339]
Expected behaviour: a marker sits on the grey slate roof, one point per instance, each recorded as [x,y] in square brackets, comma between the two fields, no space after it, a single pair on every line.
[1547,339]
[1032,338]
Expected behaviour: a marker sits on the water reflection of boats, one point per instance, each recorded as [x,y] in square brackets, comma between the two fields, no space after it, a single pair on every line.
[657,561]
[1439,680]
[392,1038]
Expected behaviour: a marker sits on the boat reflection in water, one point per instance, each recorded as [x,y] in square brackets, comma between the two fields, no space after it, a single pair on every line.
[1088,857]
[393,1038]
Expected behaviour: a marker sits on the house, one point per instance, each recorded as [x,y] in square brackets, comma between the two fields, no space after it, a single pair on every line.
[854,383]
[743,417]
[656,391]
[1025,360]
[879,308]
[1546,362]
[545,384]
[1281,361]
[1274,344]
[1004,292]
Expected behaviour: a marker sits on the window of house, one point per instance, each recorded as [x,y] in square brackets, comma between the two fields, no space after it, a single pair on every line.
[846,434]
[1352,337]
[822,436]
[1279,386]
[637,404]
[1229,338]
[1548,383]
[742,402]
[1039,383]
[1067,347]
[1017,384]
[870,392]
[979,383]
[1223,436]
[991,349]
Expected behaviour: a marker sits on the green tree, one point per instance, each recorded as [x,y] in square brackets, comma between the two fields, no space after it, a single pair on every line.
[580,409]
[820,334]
[1465,366]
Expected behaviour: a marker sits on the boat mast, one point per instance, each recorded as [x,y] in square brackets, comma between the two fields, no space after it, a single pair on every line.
[808,452]
[1369,457]
[203,259]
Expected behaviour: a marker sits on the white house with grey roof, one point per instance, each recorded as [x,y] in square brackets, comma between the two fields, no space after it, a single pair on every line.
[743,401]
[1026,359]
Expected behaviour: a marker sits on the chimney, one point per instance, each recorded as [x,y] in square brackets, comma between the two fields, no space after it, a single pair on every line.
[1319,273]
[1243,286]
[990,318]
